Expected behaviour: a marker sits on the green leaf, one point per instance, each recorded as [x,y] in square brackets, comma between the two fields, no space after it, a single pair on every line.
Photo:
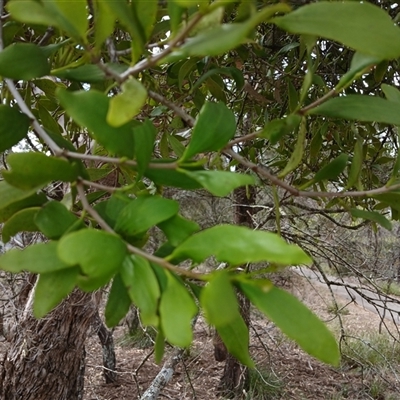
[13,126]
[333,169]
[395,171]
[372,216]
[215,126]
[90,283]
[204,44]
[118,302]
[22,221]
[219,301]
[159,346]
[104,21]
[127,104]
[69,16]
[177,308]
[190,3]
[89,109]
[229,36]
[233,72]
[34,200]
[170,177]
[143,213]
[238,245]
[48,122]
[29,11]
[380,70]
[356,163]
[361,108]
[110,209]
[175,12]
[177,229]
[235,336]
[144,136]
[277,128]
[293,97]
[88,73]
[52,288]
[10,195]
[298,151]
[330,171]
[38,258]
[96,174]
[98,253]
[146,15]
[54,220]
[143,288]
[220,183]
[316,143]
[125,15]
[176,145]
[360,64]
[349,23]
[391,93]
[13,62]
[294,319]
[186,68]
[391,199]
[33,170]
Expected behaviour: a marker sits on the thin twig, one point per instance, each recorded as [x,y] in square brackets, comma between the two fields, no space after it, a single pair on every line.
[99,186]
[299,193]
[179,111]
[316,103]
[149,62]
[117,161]
[22,105]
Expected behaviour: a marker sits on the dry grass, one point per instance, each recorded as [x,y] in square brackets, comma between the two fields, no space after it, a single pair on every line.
[368,369]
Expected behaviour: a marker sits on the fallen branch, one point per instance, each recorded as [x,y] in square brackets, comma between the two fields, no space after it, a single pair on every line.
[164,376]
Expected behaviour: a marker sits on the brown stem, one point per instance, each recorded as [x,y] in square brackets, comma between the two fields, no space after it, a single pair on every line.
[149,62]
[296,192]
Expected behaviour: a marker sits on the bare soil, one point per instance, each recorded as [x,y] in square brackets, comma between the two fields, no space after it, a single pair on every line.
[283,370]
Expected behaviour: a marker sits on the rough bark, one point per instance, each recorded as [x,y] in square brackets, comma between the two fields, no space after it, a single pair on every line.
[46,357]
[235,376]
[107,344]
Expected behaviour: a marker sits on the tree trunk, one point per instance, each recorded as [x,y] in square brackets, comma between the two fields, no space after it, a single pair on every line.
[235,377]
[46,358]
[107,344]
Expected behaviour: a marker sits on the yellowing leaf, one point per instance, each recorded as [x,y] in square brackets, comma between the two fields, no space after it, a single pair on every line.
[124,106]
